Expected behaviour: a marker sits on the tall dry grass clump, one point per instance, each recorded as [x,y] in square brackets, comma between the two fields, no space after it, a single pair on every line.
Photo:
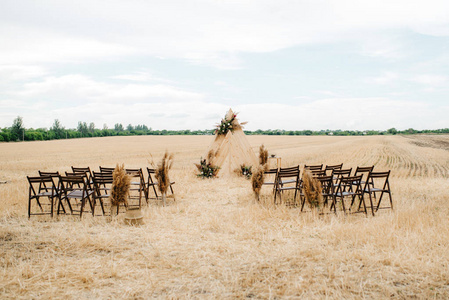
[263,155]
[161,174]
[120,187]
[312,190]
[257,180]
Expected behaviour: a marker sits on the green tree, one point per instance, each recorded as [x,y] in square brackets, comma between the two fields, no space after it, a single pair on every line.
[58,129]
[118,127]
[17,129]
[392,131]
[82,128]
[92,127]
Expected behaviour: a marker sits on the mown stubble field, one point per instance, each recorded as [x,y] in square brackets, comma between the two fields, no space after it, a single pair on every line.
[215,242]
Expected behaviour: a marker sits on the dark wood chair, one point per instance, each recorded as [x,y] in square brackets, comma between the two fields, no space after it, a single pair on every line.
[313,167]
[138,186]
[287,180]
[350,188]
[378,182]
[42,187]
[327,190]
[339,174]
[288,169]
[75,187]
[85,170]
[272,174]
[151,182]
[364,171]
[102,183]
[330,168]
[106,169]
[318,173]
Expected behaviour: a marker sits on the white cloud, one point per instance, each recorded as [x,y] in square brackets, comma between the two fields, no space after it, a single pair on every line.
[345,114]
[28,45]
[80,88]
[141,76]
[431,80]
[206,32]
[21,72]
[385,78]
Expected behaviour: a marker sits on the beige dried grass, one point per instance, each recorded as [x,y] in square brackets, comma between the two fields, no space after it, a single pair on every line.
[215,242]
[120,186]
[257,180]
[162,174]
[312,190]
[263,155]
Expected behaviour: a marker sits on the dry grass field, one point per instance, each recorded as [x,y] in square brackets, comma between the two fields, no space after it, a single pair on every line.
[215,242]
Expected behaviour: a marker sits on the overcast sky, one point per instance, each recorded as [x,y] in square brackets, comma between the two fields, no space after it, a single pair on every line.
[180,64]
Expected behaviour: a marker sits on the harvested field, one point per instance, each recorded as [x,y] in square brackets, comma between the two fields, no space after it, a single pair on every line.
[215,242]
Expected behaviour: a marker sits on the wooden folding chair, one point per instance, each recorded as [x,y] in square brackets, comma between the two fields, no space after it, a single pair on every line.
[102,186]
[330,168]
[364,171]
[151,182]
[378,182]
[327,190]
[41,187]
[106,169]
[313,167]
[271,173]
[85,170]
[288,169]
[350,187]
[287,180]
[75,187]
[338,174]
[137,186]
[318,173]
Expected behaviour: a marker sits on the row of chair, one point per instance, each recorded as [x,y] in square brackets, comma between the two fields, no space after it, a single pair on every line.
[74,190]
[338,185]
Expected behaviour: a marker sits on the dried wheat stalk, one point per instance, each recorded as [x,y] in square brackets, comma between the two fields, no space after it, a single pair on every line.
[161,174]
[257,180]
[120,186]
[312,190]
[263,155]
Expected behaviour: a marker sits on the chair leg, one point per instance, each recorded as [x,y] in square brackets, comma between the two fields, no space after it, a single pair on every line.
[173,193]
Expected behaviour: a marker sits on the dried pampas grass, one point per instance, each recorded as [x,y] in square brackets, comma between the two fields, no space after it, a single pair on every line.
[120,186]
[161,174]
[312,190]
[263,155]
[257,180]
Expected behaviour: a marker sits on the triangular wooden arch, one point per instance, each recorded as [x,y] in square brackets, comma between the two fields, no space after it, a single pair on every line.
[232,150]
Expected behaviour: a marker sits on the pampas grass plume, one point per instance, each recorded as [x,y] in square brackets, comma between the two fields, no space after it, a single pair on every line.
[263,155]
[120,186]
[312,190]
[161,172]
[257,180]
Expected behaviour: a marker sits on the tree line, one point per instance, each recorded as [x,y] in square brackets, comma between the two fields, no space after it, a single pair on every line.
[18,132]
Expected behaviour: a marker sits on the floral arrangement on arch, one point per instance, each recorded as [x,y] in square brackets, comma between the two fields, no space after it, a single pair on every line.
[246,171]
[228,125]
[205,168]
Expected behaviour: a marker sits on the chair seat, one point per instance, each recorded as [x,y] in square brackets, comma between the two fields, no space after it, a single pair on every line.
[287,181]
[288,188]
[46,194]
[78,194]
[373,189]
